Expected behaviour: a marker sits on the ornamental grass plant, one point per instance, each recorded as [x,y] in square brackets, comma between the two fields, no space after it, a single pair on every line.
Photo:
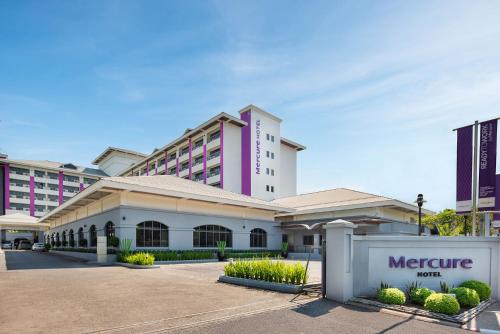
[143,259]
[267,270]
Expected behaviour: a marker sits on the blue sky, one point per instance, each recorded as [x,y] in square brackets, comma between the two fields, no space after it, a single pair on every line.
[372,88]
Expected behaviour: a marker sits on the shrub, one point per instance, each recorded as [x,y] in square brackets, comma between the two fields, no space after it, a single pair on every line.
[482,289]
[113,241]
[82,242]
[72,243]
[419,295]
[411,287]
[144,259]
[47,246]
[391,296]
[267,270]
[466,297]
[64,243]
[442,303]
[58,243]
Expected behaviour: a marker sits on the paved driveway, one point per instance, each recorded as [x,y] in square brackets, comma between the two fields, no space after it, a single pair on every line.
[42,293]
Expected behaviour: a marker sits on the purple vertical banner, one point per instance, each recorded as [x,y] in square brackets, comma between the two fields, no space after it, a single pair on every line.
[496,215]
[221,154]
[189,159]
[487,165]
[82,186]
[205,163]
[166,159]
[246,155]
[61,188]
[6,175]
[32,196]
[177,166]
[464,169]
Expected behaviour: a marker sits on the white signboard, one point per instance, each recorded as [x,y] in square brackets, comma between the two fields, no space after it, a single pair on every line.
[399,266]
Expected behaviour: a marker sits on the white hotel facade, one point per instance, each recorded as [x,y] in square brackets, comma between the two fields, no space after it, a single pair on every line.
[233,178]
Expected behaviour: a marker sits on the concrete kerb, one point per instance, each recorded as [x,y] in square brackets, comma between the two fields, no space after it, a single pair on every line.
[136,266]
[251,283]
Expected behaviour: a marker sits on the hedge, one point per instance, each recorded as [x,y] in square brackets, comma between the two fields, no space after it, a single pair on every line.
[442,303]
[419,295]
[81,250]
[267,270]
[482,289]
[391,296]
[466,297]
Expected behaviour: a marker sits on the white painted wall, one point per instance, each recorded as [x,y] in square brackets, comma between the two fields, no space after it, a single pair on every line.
[232,157]
[288,172]
[116,162]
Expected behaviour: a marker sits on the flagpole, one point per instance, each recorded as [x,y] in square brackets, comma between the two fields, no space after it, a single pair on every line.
[474,178]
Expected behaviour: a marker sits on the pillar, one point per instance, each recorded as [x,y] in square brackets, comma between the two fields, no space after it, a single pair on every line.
[339,247]
[316,244]
[102,249]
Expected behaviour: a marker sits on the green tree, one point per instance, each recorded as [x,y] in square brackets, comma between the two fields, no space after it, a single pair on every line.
[447,222]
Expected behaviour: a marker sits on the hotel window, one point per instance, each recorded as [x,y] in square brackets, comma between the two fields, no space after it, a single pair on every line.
[267,136]
[152,166]
[272,139]
[214,154]
[308,240]
[267,154]
[53,176]
[209,235]
[198,176]
[184,166]
[258,238]
[267,171]
[39,173]
[151,234]
[20,171]
[198,143]
[272,189]
[185,150]
[267,187]
[272,172]
[110,229]
[161,162]
[284,238]
[81,238]
[213,136]
[272,155]
[171,156]
[171,171]
[198,160]
[214,171]
[71,178]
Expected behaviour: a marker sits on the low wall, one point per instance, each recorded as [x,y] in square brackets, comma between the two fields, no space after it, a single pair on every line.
[356,265]
[429,260]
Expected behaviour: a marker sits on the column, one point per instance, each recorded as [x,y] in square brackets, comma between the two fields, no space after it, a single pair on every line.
[316,244]
[32,193]
[339,277]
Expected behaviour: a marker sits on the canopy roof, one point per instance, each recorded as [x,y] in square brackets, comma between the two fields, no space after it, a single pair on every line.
[21,221]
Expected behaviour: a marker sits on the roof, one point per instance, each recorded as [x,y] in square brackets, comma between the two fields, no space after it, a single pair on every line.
[19,220]
[252,107]
[59,166]
[163,185]
[341,199]
[292,144]
[192,132]
[111,149]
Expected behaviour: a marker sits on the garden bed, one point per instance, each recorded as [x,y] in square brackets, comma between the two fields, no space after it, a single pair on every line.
[259,284]
[464,316]
[187,261]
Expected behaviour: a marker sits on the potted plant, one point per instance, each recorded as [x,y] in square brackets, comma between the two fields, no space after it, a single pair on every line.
[221,247]
[113,241]
[284,250]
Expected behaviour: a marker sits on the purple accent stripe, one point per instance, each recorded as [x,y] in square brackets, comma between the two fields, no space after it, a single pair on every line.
[147,168]
[189,159]
[61,188]
[177,166]
[496,216]
[221,168]
[32,196]
[205,163]
[6,174]
[166,159]
[82,186]
[246,155]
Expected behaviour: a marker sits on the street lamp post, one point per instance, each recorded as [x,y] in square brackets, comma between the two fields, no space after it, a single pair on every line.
[420,201]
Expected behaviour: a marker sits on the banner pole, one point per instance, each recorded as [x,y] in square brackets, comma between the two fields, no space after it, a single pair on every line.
[474,178]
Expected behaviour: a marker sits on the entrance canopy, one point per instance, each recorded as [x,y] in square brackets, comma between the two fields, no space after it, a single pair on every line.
[19,221]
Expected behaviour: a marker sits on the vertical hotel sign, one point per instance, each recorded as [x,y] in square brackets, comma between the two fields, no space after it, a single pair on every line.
[464,169]
[487,165]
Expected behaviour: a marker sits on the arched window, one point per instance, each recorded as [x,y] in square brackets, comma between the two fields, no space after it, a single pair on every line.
[208,235]
[58,240]
[81,237]
[48,239]
[64,238]
[110,229]
[52,242]
[93,236]
[258,238]
[151,234]
[71,238]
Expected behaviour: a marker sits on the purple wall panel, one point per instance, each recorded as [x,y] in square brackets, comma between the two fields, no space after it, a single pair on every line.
[61,188]
[205,163]
[221,154]
[32,196]
[487,165]
[6,174]
[246,156]
[177,166]
[189,160]
[464,169]
[82,187]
